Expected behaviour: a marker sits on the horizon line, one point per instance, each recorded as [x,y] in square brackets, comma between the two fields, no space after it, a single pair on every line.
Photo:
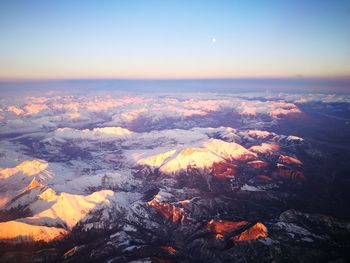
[298,78]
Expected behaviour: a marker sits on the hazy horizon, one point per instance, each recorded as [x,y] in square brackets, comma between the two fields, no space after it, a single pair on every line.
[218,85]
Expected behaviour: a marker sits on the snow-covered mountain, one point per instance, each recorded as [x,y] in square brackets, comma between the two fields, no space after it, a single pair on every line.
[17,232]
[169,178]
[203,156]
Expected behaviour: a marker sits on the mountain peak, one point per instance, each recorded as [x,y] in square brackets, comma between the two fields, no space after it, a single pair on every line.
[203,154]
[33,184]
[27,167]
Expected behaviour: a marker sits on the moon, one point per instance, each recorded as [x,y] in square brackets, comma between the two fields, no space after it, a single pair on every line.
[213,40]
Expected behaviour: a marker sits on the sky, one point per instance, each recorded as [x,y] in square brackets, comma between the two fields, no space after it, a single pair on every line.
[174,39]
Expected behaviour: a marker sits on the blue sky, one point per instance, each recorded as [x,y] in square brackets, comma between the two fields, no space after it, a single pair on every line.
[173,39]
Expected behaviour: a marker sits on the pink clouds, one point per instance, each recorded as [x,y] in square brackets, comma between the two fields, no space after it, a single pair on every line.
[29,109]
[248,111]
[274,109]
[35,108]
[15,110]
[125,110]
[132,115]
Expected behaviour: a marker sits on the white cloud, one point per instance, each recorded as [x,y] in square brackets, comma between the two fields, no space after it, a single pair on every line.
[94,134]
